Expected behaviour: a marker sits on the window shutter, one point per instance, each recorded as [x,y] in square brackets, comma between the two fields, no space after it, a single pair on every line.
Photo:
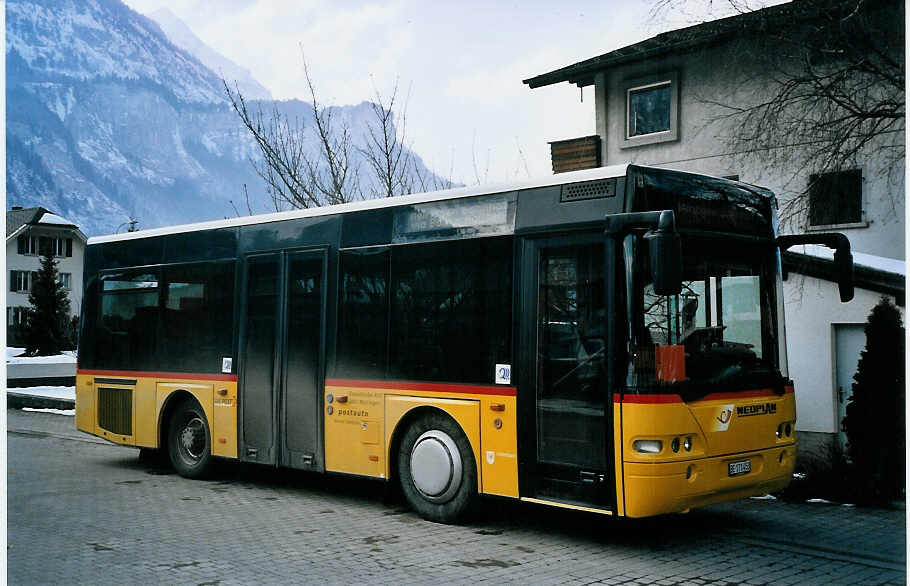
[22,244]
[69,247]
[12,281]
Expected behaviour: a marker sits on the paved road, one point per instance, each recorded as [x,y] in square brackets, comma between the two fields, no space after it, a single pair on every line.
[84,511]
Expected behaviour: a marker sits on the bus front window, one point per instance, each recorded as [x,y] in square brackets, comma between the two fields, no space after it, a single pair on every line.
[718,332]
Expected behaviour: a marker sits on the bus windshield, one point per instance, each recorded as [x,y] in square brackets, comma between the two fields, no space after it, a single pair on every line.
[720,331]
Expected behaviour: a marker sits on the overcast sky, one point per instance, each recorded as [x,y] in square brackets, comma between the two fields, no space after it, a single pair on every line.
[461,62]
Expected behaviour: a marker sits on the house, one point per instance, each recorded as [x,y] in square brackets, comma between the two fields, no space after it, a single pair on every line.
[691,99]
[31,232]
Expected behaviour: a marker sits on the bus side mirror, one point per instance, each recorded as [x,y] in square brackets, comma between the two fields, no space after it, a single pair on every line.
[666,256]
[843,258]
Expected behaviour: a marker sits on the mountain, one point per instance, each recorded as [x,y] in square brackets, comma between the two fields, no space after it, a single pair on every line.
[180,34]
[107,119]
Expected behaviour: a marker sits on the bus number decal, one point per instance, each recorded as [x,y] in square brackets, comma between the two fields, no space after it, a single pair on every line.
[503,374]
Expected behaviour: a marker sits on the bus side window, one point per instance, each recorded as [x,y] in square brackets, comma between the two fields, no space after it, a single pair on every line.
[363,314]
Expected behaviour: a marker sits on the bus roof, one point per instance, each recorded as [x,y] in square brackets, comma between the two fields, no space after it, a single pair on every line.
[369,204]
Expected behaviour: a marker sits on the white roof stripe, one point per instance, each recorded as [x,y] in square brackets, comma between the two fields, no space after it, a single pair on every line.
[370,204]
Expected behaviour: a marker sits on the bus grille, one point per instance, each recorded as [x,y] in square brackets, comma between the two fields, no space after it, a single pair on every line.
[588,190]
[115,410]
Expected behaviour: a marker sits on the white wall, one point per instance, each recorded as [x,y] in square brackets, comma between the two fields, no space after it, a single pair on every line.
[72,265]
[716,74]
[813,307]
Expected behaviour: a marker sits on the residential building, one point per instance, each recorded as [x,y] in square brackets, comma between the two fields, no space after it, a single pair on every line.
[30,233]
[682,99]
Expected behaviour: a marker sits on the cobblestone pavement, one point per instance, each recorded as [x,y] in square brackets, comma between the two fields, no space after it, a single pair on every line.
[85,511]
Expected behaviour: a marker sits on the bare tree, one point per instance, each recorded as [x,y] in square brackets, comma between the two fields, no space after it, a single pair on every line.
[836,94]
[297,175]
[386,154]
[294,176]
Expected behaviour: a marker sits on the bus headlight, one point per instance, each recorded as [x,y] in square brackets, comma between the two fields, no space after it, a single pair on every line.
[647,446]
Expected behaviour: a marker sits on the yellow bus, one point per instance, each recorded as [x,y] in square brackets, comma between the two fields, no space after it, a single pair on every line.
[609,340]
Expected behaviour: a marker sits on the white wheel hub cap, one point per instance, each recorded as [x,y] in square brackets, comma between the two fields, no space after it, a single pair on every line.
[436,466]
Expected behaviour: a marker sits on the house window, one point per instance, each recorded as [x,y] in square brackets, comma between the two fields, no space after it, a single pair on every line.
[651,110]
[15,316]
[836,199]
[26,244]
[20,281]
[65,279]
[50,246]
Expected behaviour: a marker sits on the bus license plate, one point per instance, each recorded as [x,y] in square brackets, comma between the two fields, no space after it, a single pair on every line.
[738,468]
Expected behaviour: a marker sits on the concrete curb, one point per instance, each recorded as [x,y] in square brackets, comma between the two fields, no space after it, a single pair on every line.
[19,400]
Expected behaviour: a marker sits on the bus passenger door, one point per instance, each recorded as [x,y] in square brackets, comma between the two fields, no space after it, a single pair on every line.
[562,392]
[283,353]
[304,356]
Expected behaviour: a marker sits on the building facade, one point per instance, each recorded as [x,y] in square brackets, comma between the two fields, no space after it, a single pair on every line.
[30,233]
[683,99]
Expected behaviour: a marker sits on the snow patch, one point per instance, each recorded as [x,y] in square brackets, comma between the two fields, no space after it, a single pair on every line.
[879,263]
[48,392]
[68,358]
[54,219]
[69,412]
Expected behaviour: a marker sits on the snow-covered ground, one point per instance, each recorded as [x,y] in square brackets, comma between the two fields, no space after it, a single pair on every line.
[44,363]
[14,356]
[69,412]
[52,392]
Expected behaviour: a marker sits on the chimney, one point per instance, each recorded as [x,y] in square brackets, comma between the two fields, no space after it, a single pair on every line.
[16,208]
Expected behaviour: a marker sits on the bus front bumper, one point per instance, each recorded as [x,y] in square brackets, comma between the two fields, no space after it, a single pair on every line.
[673,487]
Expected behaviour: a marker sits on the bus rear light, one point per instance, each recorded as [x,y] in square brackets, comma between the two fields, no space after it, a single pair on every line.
[788,430]
[647,446]
[497,407]
[688,444]
[780,430]
[674,445]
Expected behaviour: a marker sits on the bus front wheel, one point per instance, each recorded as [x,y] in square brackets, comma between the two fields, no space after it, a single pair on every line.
[189,440]
[436,469]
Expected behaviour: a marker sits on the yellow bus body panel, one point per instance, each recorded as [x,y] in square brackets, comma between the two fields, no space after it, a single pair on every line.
[499,446]
[722,431]
[86,410]
[149,396]
[350,440]
[617,459]
[465,412]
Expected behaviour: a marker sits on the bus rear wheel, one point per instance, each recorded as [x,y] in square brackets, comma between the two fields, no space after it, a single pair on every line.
[436,469]
[189,440]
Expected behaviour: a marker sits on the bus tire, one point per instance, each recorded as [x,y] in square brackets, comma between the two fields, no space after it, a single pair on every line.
[436,469]
[190,440]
